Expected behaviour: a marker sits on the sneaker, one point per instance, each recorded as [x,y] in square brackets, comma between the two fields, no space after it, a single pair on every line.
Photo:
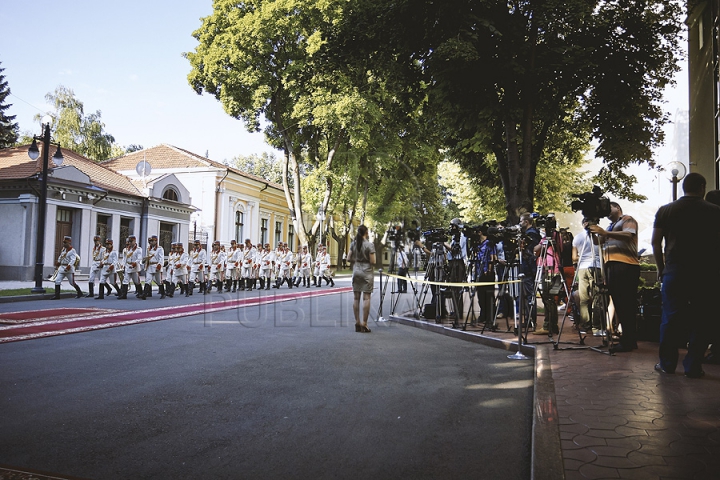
[598,333]
[542,331]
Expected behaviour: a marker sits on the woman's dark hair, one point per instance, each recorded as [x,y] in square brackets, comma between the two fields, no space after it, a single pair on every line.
[361,232]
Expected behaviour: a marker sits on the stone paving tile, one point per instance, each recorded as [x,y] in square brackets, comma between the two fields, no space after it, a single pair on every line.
[621,419]
[593,471]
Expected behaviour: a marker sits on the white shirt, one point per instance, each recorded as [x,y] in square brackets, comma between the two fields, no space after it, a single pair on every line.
[584,246]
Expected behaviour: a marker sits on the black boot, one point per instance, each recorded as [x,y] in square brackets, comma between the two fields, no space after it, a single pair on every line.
[183,288]
[297,281]
[262,283]
[207,287]
[332,282]
[219,286]
[109,290]
[117,289]
[314,278]
[241,284]
[142,291]
[101,291]
[161,289]
[188,289]
[290,283]
[148,290]
[57,293]
[79,292]
[228,284]
[234,286]
[319,281]
[123,292]
[91,290]
[138,289]
[278,282]
[267,283]
[170,292]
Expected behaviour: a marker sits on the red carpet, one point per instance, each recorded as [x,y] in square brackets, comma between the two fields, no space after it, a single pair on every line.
[36,315]
[58,322]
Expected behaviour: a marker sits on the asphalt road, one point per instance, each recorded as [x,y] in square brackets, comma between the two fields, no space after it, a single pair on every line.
[284,390]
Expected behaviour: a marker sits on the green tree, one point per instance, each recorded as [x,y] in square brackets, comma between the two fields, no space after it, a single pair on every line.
[9,129]
[266,166]
[501,79]
[73,129]
[262,58]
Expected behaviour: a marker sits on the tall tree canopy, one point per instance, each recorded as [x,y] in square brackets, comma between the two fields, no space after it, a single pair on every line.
[502,81]
[8,126]
[72,128]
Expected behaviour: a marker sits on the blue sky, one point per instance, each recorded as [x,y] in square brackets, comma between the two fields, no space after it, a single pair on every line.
[124,59]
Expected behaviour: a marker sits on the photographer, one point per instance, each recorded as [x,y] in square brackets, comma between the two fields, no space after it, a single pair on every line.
[485,272]
[401,261]
[530,240]
[690,227]
[586,256]
[550,263]
[622,268]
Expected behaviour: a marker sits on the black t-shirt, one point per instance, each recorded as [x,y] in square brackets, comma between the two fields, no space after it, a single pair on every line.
[691,229]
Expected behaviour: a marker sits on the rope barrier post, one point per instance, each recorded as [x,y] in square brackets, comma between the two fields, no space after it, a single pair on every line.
[518,355]
[382,297]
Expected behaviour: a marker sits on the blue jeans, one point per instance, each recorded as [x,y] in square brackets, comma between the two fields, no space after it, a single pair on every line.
[686,309]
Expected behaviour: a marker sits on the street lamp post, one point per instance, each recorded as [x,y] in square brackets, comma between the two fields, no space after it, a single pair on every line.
[34,153]
[321,219]
[676,172]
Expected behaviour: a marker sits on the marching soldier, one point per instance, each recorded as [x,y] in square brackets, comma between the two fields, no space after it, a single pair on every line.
[153,270]
[303,267]
[232,268]
[323,262]
[266,266]
[247,265]
[169,270]
[217,262]
[66,268]
[179,271]
[285,261]
[133,264]
[196,267]
[107,264]
[97,255]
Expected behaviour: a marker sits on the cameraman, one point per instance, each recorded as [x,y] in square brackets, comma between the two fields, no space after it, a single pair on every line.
[622,268]
[485,272]
[586,256]
[530,239]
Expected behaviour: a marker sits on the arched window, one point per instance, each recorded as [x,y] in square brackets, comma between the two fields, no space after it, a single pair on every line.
[171,194]
[239,216]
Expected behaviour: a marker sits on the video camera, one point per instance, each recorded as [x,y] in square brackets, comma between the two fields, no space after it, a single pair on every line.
[548,222]
[593,205]
[436,235]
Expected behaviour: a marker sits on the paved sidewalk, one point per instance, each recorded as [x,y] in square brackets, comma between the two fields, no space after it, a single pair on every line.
[619,418]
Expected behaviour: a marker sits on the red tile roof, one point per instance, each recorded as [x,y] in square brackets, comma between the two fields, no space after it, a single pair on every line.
[169,157]
[15,165]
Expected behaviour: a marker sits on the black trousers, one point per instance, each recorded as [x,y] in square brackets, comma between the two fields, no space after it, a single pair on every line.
[622,283]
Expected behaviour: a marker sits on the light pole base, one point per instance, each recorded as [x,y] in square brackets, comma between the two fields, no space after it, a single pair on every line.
[38,290]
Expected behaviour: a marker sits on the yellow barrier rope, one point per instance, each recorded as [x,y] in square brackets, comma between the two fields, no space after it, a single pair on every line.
[429,282]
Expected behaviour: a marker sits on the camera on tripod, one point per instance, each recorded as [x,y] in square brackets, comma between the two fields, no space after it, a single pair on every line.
[395,234]
[548,222]
[593,205]
[436,235]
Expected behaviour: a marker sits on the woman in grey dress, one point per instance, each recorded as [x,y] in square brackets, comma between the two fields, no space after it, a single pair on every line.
[362,259]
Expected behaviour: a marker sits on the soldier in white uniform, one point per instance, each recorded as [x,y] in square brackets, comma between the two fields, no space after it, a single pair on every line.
[66,268]
[133,265]
[256,264]
[179,272]
[96,257]
[153,267]
[323,261]
[230,260]
[284,260]
[169,270]
[217,263]
[107,265]
[196,267]
[248,261]
[265,267]
[303,267]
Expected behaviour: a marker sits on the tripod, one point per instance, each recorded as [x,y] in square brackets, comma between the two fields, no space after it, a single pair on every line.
[436,271]
[549,282]
[600,302]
